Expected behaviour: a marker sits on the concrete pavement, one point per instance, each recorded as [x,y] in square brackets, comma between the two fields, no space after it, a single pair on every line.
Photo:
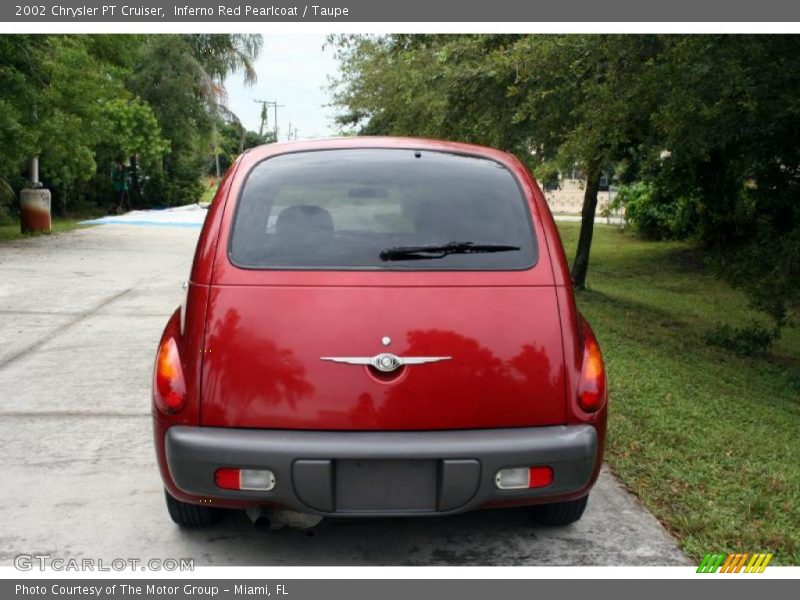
[80,316]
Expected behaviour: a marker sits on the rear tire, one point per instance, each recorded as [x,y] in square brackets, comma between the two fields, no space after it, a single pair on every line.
[559,514]
[191,515]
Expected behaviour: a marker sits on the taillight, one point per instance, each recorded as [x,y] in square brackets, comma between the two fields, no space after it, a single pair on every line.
[170,392]
[592,386]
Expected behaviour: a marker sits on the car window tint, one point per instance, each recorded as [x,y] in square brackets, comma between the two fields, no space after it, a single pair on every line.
[339,209]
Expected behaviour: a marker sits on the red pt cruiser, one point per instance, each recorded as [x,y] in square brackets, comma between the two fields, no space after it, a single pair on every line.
[378,326]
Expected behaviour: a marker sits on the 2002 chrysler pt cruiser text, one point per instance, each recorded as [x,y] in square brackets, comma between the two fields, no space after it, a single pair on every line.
[378,326]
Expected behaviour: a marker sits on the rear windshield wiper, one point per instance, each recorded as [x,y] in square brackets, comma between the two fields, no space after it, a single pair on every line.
[442,250]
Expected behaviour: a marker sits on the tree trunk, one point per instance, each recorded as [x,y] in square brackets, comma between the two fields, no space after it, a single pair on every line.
[216,150]
[136,192]
[581,263]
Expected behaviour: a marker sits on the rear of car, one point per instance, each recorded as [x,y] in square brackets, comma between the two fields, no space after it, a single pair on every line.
[378,326]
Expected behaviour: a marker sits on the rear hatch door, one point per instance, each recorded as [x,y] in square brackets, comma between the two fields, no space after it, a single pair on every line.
[266,346]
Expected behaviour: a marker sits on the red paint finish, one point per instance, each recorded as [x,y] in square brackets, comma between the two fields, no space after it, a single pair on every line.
[263,368]
[207,243]
[251,345]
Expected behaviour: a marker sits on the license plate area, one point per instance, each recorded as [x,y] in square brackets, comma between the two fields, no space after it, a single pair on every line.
[385,485]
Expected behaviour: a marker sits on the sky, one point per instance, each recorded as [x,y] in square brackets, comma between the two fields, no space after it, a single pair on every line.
[293,70]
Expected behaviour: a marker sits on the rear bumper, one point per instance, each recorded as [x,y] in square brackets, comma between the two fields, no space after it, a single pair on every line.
[382,473]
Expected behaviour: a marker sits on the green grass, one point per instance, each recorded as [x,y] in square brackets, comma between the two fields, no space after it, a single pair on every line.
[9,230]
[708,440]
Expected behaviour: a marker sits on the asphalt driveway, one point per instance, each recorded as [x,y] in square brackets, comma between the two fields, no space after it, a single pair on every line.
[80,316]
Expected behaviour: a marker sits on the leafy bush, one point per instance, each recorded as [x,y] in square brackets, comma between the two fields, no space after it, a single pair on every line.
[743,341]
[7,198]
[767,269]
[173,190]
[654,215]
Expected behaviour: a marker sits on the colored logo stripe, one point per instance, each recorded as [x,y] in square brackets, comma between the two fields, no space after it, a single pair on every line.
[734,563]
[711,563]
[758,563]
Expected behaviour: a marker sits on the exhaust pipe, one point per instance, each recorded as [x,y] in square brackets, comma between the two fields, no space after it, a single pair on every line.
[259,517]
[282,518]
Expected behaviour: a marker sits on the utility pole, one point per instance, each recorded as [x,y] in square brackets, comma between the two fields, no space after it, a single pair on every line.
[274,104]
[263,116]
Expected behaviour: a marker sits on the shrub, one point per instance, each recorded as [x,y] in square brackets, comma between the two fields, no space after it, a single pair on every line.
[7,200]
[161,190]
[653,214]
[743,341]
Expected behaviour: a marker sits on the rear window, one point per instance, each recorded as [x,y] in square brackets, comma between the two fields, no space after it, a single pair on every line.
[381,209]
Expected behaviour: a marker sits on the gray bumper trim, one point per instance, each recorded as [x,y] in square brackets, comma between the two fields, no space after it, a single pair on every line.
[304,463]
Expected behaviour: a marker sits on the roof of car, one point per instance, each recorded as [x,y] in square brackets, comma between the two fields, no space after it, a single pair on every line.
[333,143]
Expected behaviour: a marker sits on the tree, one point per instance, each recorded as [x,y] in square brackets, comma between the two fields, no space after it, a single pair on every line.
[221,55]
[730,120]
[182,78]
[40,79]
[82,102]
[563,100]
[234,139]
[17,93]
[131,133]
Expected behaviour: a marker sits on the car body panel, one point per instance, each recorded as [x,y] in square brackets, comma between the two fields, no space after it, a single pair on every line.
[264,350]
[465,463]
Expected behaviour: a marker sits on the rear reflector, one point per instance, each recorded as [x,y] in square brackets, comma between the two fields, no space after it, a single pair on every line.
[260,480]
[523,477]
[227,479]
[540,477]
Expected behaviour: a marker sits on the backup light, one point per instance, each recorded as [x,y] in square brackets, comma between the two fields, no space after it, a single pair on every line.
[261,480]
[519,478]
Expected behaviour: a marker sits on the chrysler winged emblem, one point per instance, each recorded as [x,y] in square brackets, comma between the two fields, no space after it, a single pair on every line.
[385,362]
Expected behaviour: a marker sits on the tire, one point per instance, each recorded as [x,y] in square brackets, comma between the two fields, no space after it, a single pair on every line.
[191,515]
[559,514]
